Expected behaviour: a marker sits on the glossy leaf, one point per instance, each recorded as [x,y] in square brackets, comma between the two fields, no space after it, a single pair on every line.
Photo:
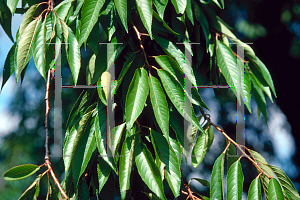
[159,104]
[136,96]
[176,95]
[202,181]
[199,150]
[20,172]
[27,19]
[90,13]
[125,165]
[255,190]
[63,8]
[160,6]
[216,188]
[10,64]
[228,65]
[235,179]
[115,138]
[179,5]
[148,169]
[73,54]
[121,7]
[39,49]
[144,8]
[103,171]
[168,157]
[285,182]
[274,190]
[189,11]
[25,45]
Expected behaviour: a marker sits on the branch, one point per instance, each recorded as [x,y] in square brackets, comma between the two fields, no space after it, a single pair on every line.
[138,34]
[186,185]
[233,142]
[47,161]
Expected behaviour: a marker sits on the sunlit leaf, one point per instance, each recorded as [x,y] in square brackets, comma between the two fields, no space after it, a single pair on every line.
[216,188]
[121,7]
[274,190]
[235,179]
[20,172]
[255,190]
[144,8]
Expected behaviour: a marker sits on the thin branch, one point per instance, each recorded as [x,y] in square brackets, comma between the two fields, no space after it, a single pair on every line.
[138,34]
[236,144]
[46,117]
[186,185]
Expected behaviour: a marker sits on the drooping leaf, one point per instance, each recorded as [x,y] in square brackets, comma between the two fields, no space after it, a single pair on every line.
[144,8]
[103,171]
[202,181]
[148,169]
[216,188]
[63,8]
[228,65]
[179,5]
[121,7]
[219,3]
[27,19]
[12,5]
[10,64]
[176,95]
[189,11]
[159,104]
[274,190]
[90,13]
[93,38]
[255,190]
[73,55]
[25,45]
[136,96]
[210,133]
[201,18]
[160,6]
[164,24]
[20,172]
[235,179]
[5,20]
[168,157]
[125,165]
[199,150]
[285,182]
[39,49]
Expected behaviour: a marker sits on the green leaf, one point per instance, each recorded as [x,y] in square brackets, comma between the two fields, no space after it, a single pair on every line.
[25,45]
[10,64]
[168,157]
[228,65]
[255,190]
[201,18]
[39,49]
[179,5]
[5,20]
[100,123]
[210,133]
[103,170]
[189,11]
[274,190]
[63,8]
[12,5]
[247,89]
[145,11]
[159,104]
[136,96]
[73,139]
[163,23]
[216,188]
[90,13]
[93,38]
[219,3]
[235,179]
[73,55]
[90,70]
[199,150]
[177,97]
[32,192]
[121,7]
[125,165]
[125,68]
[202,181]
[27,19]
[264,179]
[174,51]
[115,138]
[160,6]
[49,23]
[20,172]
[148,169]
[285,182]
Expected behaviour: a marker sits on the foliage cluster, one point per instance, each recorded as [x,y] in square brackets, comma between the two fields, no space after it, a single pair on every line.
[153,97]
